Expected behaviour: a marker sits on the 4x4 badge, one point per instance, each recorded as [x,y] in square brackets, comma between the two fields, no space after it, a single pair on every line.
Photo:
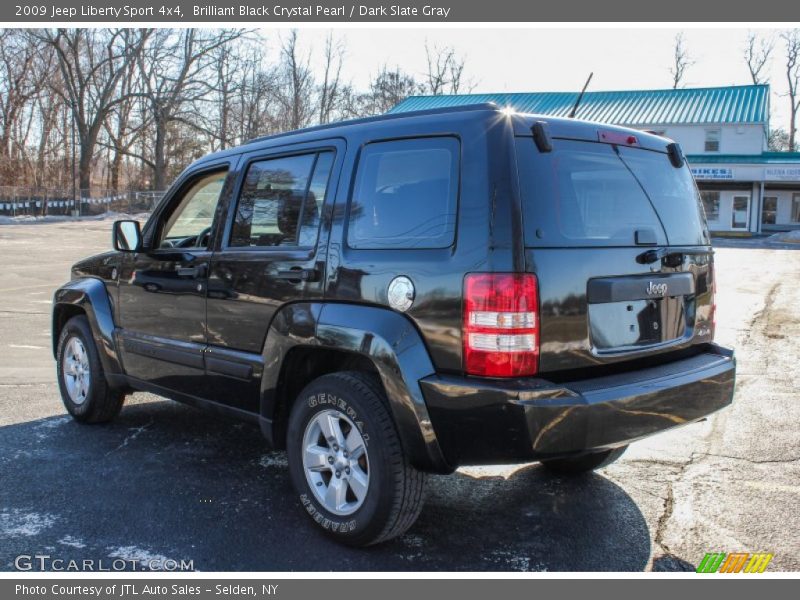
[401,293]
[656,289]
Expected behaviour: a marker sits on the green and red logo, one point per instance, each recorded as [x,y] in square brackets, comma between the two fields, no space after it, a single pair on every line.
[734,562]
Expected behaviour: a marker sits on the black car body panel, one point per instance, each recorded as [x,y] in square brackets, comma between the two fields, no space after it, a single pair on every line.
[89,296]
[523,420]
[213,321]
[387,339]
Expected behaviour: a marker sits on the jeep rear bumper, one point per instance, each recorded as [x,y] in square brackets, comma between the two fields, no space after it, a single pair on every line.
[479,421]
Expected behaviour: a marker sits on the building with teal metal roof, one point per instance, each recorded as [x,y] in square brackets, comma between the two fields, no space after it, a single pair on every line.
[723,132]
[635,108]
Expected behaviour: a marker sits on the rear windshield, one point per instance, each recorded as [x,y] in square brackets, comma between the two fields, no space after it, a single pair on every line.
[594,194]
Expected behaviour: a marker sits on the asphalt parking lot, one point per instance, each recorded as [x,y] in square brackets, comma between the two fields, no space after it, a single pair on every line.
[170,481]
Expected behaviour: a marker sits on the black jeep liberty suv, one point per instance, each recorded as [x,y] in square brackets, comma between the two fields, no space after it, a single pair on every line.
[410,293]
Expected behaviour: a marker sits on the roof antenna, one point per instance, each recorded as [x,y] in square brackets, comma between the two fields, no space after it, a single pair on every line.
[574,110]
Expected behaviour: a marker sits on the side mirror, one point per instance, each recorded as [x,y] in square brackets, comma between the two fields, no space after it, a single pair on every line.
[127,236]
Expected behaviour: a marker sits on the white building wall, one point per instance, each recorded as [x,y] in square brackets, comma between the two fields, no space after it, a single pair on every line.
[734,139]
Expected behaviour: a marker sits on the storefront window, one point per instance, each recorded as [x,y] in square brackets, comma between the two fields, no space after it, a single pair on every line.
[796,208]
[711,205]
[769,210]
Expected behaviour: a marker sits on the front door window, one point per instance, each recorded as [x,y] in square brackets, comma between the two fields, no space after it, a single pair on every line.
[190,222]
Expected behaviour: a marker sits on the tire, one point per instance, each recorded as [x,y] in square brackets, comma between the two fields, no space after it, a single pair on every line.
[576,465]
[81,381]
[392,497]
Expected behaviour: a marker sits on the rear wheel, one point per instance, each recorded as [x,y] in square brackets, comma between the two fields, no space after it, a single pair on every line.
[346,461]
[575,465]
[84,390]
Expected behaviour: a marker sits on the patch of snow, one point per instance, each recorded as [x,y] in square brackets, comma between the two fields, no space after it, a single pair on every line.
[68,540]
[134,553]
[53,422]
[515,562]
[785,237]
[16,523]
[276,459]
[30,219]
[413,541]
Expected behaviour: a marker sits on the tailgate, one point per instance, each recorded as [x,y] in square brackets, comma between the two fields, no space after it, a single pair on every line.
[618,242]
[596,316]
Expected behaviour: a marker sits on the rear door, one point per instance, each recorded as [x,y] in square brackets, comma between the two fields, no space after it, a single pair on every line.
[272,252]
[617,238]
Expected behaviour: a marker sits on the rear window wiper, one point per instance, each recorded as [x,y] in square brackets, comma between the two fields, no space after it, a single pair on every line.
[672,256]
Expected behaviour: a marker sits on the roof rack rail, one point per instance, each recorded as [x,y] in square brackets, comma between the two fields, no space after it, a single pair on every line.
[382,117]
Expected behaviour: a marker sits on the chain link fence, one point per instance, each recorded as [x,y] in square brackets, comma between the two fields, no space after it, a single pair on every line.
[46,202]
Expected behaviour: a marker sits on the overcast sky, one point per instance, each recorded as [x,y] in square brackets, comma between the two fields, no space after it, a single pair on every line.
[520,60]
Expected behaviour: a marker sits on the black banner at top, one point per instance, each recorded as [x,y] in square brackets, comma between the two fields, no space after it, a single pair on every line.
[404,11]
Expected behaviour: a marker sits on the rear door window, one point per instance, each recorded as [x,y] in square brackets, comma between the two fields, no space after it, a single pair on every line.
[590,194]
[281,200]
[405,195]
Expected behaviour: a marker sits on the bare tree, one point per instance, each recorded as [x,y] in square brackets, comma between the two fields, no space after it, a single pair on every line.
[176,72]
[330,91]
[253,109]
[133,106]
[296,92]
[681,62]
[50,107]
[92,62]
[778,140]
[19,86]
[121,127]
[757,54]
[388,88]
[792,41]
[227,83]
[445,70]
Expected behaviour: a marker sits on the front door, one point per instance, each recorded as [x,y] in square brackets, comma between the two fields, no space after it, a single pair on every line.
[162,290]
[741,210]
[272,253]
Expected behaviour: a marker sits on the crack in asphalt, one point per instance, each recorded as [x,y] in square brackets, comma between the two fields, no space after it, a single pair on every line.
[669,502]
[754,329]
[755,462]
[132,436]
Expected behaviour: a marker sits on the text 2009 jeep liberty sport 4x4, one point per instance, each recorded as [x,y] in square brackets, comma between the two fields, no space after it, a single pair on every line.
[410,293]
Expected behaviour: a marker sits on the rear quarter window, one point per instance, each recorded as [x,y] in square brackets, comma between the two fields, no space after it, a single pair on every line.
[405,195]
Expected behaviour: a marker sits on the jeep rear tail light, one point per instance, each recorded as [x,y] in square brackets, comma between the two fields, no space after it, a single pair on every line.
[501,324]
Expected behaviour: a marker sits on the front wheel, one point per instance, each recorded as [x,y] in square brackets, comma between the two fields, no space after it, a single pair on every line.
[346,461]
[575,465]
[84,390]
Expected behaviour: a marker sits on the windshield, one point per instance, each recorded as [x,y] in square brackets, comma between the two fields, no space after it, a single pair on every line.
[594,194]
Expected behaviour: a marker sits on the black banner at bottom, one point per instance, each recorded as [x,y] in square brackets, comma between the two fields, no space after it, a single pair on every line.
[345,588]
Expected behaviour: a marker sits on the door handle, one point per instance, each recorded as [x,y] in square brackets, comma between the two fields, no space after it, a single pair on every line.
[298,274]
[191,272]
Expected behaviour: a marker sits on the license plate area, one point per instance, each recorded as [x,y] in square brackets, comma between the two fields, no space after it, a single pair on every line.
[636,323]
[622,316]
